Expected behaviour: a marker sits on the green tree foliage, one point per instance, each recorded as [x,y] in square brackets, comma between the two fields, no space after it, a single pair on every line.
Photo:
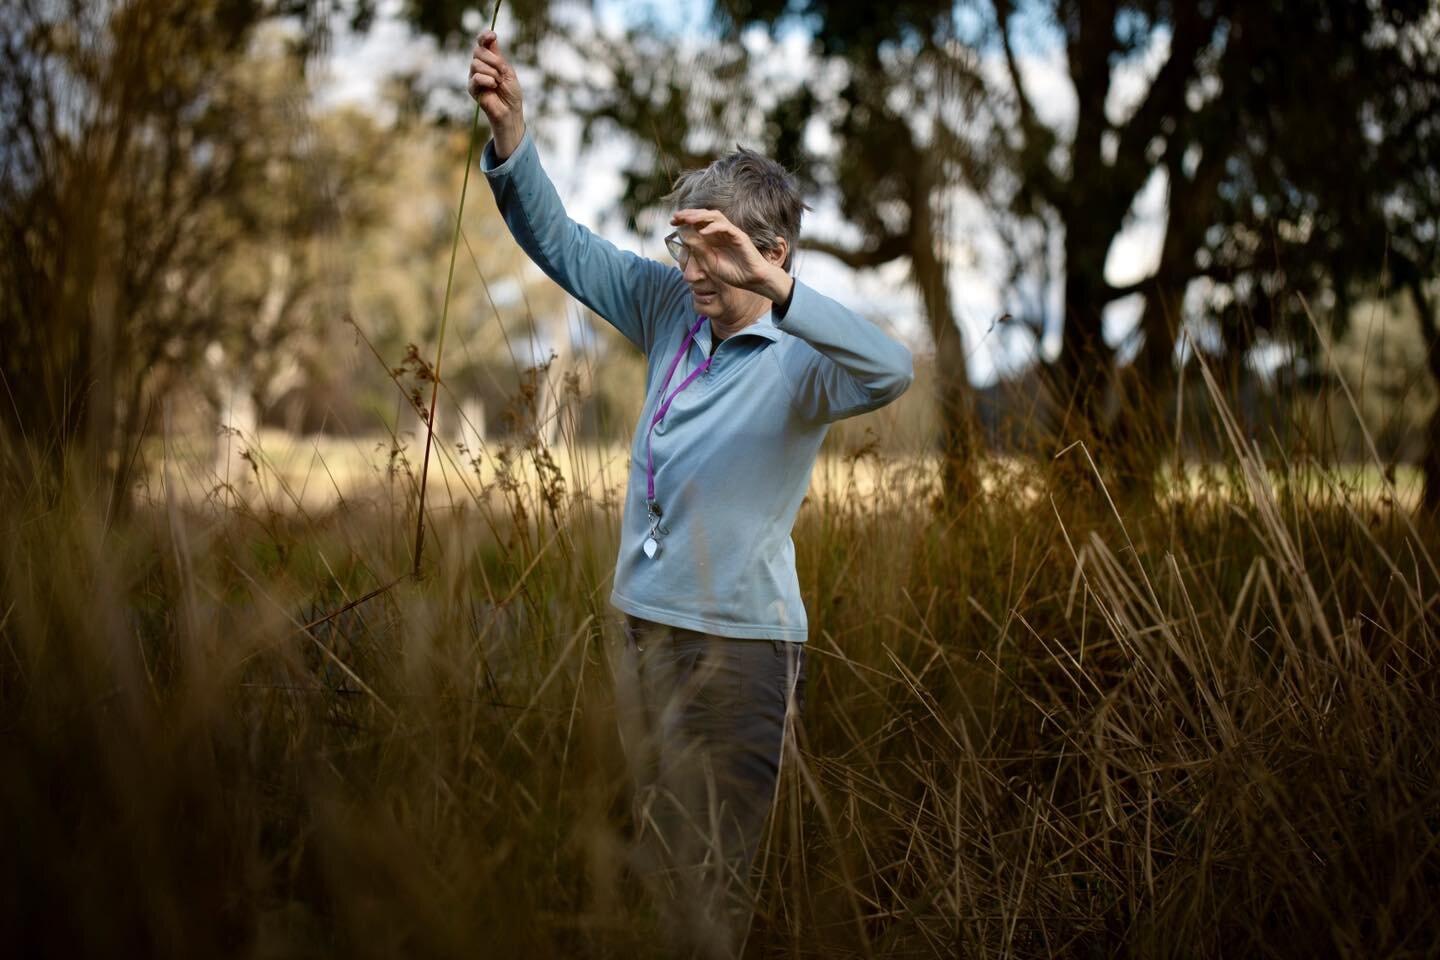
[1299,153]
[280,290]
[453,22]
[396,264]
[1295,139]
[136,165]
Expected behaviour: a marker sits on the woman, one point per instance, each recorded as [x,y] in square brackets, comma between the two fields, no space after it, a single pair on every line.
[746,368]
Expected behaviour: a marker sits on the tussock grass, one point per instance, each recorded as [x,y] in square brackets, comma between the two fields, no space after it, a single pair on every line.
[1039,728]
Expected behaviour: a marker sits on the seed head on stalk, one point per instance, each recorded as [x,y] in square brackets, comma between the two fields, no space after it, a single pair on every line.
[434,377]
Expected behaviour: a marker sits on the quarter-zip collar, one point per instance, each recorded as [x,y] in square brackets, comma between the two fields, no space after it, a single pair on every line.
[763,327]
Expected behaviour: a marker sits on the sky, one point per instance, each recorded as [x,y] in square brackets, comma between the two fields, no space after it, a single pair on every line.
[590,182]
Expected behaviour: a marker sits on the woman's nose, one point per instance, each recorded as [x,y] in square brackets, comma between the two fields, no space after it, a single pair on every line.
[691,271]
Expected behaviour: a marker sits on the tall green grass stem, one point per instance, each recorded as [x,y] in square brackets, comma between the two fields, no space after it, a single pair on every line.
[444,321]
[440,346]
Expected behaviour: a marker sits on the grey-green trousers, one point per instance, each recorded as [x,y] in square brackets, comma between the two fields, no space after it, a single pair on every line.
[703,720]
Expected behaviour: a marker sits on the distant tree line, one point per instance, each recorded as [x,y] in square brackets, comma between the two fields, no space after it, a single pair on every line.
[157,196]
[158,202]
[175,220]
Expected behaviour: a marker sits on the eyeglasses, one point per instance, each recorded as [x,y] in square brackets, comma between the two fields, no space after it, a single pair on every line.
[677,249]
[681,253]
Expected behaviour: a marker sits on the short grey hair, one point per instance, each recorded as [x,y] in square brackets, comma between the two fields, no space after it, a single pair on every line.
[759,196]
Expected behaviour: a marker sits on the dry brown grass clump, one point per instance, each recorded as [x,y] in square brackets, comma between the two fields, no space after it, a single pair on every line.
[1037,729]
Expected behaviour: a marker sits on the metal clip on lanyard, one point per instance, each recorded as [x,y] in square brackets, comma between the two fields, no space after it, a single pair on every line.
[653,512]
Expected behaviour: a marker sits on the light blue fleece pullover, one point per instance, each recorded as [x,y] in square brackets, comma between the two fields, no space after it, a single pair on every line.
[734,453]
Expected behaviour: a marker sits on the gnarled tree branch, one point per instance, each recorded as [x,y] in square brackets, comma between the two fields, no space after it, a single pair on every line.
[889,248]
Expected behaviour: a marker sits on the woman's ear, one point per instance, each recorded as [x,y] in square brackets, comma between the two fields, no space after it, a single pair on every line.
[779,253]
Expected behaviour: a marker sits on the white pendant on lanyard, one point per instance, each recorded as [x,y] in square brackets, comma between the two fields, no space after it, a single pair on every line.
[651,545]
[652,517]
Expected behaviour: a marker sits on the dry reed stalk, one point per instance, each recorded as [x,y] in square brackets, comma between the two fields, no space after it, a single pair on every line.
[434,376]
[444,322]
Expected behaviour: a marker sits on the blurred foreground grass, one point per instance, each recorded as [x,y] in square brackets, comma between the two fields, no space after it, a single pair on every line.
[1035,729]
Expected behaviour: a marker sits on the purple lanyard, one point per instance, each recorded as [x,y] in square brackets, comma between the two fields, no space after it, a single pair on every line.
[664,406]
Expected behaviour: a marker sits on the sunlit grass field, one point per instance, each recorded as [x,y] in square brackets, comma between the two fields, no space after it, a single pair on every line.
[1039,727]
[293,473]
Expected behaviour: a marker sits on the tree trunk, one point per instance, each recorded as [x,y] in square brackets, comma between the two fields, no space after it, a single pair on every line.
[1141,434]
[955,402]
[237,429]
[1430,460]
[1085,363]
[1080,378]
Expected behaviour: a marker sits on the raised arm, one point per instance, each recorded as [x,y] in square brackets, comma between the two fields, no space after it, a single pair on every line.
[628,290]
